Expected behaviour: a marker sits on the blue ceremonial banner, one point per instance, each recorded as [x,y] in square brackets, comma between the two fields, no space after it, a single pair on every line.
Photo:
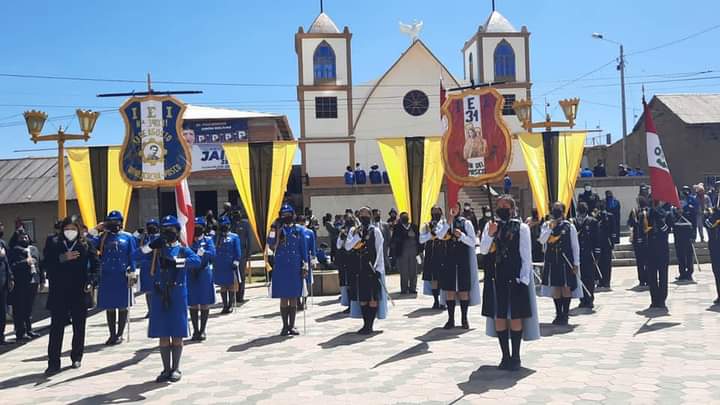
[154,152]
[206,139]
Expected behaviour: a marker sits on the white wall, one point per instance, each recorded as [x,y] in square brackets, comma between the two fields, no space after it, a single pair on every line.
[384,115]
[326,159]
[326,127]
[308,51]
[489,45]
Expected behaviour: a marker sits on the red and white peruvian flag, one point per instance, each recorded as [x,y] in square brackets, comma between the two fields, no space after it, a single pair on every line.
[185,212]
[663,186]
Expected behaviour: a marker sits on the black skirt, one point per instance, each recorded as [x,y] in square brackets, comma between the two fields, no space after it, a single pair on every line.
[341,259]
[435,259]
[363,280]
[558,274]
[455,274]
[505,299]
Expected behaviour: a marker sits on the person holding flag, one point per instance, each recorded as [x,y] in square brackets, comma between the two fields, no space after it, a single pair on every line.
[226,268]
[168,311]
[290,268]
[201,291]
[659,222]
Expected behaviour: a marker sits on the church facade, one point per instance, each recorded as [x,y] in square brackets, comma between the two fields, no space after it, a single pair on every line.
[340,121]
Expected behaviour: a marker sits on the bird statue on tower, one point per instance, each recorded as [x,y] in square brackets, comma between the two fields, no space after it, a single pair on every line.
[412,30]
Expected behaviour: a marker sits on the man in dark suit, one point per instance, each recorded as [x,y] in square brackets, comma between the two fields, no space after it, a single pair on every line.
[241,226]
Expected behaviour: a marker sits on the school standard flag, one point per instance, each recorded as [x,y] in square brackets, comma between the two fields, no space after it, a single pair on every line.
[663,186]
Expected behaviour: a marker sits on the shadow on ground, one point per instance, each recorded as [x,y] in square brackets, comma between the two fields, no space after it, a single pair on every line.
[548,329]
[127,394]
[347,339]
[259,342]
[488,378]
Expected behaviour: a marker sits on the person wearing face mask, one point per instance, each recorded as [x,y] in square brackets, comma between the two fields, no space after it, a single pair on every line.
[201,291]
[72,267]
[434,235]
[509,302]
[469,214]
[290,269]
[24,259]
[170,262]
[638,223]
[535,224]
[152,232]
[226,267]
[405,248]
[367,272]
[116,249]
[612,205]
[606,229]
[589,198]
[589,239]
[660,224]
[459,281]
[342,259]
[560,275]
[6,283]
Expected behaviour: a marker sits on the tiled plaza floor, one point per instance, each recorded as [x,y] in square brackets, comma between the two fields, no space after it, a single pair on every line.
[613,356]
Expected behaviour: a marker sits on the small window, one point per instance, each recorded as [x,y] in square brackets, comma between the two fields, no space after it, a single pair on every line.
[508,107]
[326,107]
[471,68]
[504,62]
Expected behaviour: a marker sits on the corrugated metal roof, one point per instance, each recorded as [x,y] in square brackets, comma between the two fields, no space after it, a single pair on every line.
[31,180]
[693,108]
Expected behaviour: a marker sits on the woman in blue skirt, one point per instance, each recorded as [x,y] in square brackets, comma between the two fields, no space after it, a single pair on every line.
[201,291]
[168,311]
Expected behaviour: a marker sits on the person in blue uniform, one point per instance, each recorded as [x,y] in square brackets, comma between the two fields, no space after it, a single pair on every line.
[72,266]
[168,311]
[290,268]
[712,225]
[117,273]
[311,245]
[612,205]
[434,235]
[459,280]
[349,176]
[509,302]
[684,235]
[375,175]
[660,225]
[201,291]
[152,232]
[226,268]
[561,271]
[360,175]
[368,294]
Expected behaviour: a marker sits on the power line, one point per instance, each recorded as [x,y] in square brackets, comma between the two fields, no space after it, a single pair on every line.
[579,78]
[677,41]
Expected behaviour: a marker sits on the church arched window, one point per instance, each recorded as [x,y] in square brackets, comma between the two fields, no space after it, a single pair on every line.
[324,63]
[471,67]
[504,62]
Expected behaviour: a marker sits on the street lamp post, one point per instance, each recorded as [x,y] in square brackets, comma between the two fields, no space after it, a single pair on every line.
[569,108]
[621,68]
[35,121]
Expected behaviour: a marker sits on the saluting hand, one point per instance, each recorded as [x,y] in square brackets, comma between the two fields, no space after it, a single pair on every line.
[458,233]
[71,255]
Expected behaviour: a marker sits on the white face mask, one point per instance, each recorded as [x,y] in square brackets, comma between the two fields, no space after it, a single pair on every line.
[70,234]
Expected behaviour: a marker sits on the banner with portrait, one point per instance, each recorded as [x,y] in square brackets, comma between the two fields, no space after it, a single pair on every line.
[206,139]
[476,146]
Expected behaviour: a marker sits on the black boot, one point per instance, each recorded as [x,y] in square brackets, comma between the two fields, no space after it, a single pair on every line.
[436,300]
[516,338]
[504,348]
[451,315]
[241,293]
[284,314]
[365,314]
[565,311]
[111,319]
[176,374]
[224,297]
[167,368]
[122,321]
[231,302]
[464,304]
[372,312]
[291,321]
[194,321]
[203,323]
[558,310]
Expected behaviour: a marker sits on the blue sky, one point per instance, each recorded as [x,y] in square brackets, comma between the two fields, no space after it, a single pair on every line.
[251,41]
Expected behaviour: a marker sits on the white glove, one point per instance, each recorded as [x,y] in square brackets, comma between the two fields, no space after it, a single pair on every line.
[136,234]
[93,232]
[236,263]
[201,252]
[523,280]
[145,249]
[419,259]
[314,261]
